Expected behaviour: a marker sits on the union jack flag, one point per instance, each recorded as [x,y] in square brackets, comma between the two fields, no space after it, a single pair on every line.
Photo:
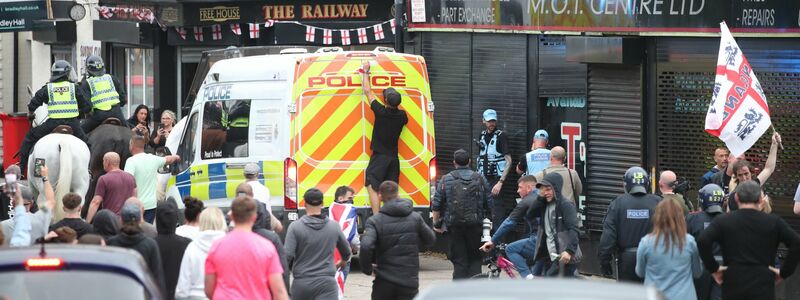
[346,215]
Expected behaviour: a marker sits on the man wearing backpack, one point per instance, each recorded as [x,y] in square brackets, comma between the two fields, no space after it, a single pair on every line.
[461,202]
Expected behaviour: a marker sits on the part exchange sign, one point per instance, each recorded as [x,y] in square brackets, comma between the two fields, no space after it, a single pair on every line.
[774,16]
[18,15]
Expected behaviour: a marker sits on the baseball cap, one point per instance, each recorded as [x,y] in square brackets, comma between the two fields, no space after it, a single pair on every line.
[313,197]
[392,96]
[130,213]
[489,115]
[251,169]
[541,134]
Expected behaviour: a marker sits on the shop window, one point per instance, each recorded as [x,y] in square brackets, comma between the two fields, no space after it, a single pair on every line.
[187,147]
[225,129]
[139,81]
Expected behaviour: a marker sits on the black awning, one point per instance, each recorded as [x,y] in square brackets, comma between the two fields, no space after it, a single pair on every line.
[58,31]
[123,32]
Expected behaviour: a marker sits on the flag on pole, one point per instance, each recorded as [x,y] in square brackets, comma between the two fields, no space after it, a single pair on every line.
[198,33]
[254,30]
[345,37]
[310,34]
[237,30]
[181,32]
[362,35]
[327,36]
[738,113]
[216,32]
[378,28]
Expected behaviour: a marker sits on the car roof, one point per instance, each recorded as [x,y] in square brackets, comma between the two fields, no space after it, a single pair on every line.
[545,289]
[112,259]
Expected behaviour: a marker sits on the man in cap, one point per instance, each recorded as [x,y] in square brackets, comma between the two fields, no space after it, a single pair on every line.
[494,162]
[260,192]
[539,158]
[106,93]
[711,201]
[33,220]
[627,221]
[389,122]
[130,236]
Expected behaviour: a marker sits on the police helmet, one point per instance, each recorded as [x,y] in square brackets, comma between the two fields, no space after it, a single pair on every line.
[636,181]
[95,65]
[61,70]
[711,198]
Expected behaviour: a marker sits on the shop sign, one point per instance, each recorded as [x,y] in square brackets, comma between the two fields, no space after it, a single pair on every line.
[219,14]
[774,16]
[328,11]
[18,15]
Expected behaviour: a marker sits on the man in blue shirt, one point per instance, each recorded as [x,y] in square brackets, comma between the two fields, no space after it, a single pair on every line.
[539,158]
[721,160]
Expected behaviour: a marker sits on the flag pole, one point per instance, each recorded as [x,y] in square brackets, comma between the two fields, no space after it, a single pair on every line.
[773,131]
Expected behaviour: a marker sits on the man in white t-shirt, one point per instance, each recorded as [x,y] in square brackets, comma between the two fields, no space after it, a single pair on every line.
[144,168]
[260,192]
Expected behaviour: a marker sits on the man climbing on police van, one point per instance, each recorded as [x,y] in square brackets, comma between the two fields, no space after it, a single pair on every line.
[494,162]
[106,94]
[389,122]
[65,103]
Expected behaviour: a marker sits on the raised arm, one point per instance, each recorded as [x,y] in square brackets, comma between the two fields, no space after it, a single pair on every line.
[365,81]
[769,167]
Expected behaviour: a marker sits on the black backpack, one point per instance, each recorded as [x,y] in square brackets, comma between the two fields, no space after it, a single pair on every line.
[464,200]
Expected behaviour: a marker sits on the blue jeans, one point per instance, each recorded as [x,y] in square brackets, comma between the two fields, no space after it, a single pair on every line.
[518,251]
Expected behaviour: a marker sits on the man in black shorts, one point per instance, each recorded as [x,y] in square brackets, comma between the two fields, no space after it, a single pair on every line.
[389,122]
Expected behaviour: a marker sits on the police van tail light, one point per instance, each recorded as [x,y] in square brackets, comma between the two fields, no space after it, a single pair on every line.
[290,184]
[432,176]
[43,264]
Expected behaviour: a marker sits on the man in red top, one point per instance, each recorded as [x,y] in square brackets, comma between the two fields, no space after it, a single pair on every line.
[243,265]
[113,188]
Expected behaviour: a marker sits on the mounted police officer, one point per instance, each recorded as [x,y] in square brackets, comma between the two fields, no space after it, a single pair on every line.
[494,162]
[711,200]
[65,103]
[106,94]
[627,221]
[539,158]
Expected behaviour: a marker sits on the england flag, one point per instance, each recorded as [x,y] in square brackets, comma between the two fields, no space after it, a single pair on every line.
[738,113]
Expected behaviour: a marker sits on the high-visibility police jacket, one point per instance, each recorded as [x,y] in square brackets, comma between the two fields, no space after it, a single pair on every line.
[104,94]
[490,155]
[537,160]
[62,103]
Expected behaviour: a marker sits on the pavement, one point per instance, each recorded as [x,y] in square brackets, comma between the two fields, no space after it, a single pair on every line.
[434,268]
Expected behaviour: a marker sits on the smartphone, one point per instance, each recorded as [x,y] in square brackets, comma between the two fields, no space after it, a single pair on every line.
[11,183]
[160,126]
[37,167]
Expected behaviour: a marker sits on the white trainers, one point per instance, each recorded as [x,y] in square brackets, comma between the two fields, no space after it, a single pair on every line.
[529,277]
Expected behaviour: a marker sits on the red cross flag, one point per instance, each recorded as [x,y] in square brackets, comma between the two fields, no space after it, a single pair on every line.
[216,32]
[310,34]
[254,31]
[378,28]
[362,35]
[327,36]
[181,32]
[237,30]
[738,113]
[345,37]
[269,23]
[198,33]
[394,25]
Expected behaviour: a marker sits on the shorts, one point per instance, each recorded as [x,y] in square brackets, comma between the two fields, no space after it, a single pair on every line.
[381,168]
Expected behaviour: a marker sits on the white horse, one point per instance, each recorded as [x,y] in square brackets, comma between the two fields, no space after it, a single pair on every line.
[67,161]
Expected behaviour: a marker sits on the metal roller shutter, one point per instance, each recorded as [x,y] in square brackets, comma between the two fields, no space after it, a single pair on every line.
[556,75]
[615,135]
[685,68]
[448,60]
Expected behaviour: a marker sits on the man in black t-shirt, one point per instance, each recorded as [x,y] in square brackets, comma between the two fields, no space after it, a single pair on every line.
[72,216]
[389,122]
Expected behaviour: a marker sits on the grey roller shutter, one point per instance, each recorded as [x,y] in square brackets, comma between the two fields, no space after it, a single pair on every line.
[615,135]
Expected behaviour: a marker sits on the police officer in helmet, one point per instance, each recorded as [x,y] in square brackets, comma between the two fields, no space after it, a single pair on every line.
[106,94]
[627,221]
[711,200]
[65,103]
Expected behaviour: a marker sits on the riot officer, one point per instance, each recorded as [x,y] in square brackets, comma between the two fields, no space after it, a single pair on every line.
[65,103]
[494,162]
[711,200]
[627,221]
[106,94]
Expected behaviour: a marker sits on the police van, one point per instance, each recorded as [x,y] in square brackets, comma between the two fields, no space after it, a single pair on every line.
[303,118]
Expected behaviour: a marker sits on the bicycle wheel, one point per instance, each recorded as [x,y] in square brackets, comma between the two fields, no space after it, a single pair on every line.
[486,275]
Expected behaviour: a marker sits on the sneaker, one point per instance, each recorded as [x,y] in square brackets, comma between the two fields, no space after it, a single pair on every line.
[529,277]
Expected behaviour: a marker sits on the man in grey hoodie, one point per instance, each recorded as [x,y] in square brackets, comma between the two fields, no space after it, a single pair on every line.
[310,242]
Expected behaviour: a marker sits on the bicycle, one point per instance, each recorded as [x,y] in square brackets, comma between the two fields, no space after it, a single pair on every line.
[497,262]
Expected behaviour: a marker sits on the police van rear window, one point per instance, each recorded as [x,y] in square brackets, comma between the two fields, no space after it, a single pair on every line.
[225,129]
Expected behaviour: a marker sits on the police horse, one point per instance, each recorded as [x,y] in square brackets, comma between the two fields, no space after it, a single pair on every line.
[67,161]
[110,136]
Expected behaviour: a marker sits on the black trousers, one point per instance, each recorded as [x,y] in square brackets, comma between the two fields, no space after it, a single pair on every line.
[464,252]
[385,290]
[707,288]
[98,116]
[626,266]
[40,131]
